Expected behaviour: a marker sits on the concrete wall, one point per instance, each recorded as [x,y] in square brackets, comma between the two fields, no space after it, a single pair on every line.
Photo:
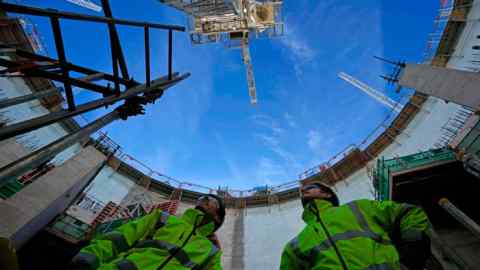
[31,209]
[10,151]
[139,194]
[267,230]
[231,236]
[14,87]
[420,135]
[254,238]
[464,52]
[109,186]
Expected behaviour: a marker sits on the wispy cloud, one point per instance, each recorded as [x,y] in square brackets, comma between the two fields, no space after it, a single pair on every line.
[269,172]
[229,158]
[271,137]
[314,140]
[269,123]
[290,120]
[299,50]
[322,146]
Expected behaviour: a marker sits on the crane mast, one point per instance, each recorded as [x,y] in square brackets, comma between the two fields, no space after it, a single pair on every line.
[234,23]
[378,96]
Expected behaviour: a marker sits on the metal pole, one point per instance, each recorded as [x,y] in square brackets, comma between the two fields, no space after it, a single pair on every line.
[447,250]
[114,37]
[34,159]
[72,67]
[57,35]
[114,51]
[18,100]
[35,123]
[170,53]
[460,216]
[147,56]
[59,77]
[81,17]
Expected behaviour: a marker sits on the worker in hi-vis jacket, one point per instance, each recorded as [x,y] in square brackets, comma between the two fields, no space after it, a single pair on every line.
[363,234]
[160,241]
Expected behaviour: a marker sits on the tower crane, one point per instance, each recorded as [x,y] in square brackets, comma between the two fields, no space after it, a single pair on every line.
[375,94]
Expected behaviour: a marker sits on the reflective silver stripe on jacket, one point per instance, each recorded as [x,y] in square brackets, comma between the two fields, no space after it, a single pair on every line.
[364,224]
[382,266]
[326,244]
[118,239]
[87,258]
[210,256]
[162,221]
[172,249]
[126,265]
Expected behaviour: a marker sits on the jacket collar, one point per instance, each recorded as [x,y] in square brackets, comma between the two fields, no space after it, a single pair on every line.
[309,213]
[194,216]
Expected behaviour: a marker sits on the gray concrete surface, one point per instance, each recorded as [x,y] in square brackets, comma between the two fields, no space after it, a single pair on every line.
[29,210]
[453,85]
[10,151]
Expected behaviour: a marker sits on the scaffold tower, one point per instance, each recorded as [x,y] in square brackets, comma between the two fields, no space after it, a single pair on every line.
[234,23]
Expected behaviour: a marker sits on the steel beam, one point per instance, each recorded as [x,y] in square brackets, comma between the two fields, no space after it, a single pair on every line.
[93,77]
[114,37]
[76,68]
[22,99]
[34,159]
[170,53]
[460,217]
[35,123]
[57,77]
[57,35]
[147,55]
[81,17]
[46,153]
[451,85]
[114,52]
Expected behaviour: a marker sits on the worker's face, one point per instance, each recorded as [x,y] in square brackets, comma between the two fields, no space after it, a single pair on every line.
[209,205]
[310,192]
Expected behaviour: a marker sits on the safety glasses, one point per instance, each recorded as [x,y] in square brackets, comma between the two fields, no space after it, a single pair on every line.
[312,186]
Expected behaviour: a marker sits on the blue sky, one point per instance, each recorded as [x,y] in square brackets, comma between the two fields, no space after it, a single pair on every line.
[205,131]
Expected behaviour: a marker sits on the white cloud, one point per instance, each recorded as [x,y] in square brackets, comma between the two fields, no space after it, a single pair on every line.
[290,120]
[314,140]
[321,146]
[269,123]
[229,159]
[268,171]
[300,51]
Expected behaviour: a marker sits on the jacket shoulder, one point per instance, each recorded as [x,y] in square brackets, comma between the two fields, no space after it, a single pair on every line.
[363,202]
[303,234]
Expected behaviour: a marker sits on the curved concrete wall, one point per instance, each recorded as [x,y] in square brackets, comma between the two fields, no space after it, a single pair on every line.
[267,229]
[253,238]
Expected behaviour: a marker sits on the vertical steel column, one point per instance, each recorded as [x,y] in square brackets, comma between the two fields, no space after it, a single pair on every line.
[57,35]
[114,51]
[34,159]
[170,53]
[114,38]
[460,216]
[147,55]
